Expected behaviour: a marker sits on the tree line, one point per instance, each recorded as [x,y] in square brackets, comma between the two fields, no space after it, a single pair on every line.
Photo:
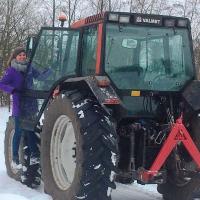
[20,18]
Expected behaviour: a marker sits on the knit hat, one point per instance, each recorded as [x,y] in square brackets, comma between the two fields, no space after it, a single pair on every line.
[17,51]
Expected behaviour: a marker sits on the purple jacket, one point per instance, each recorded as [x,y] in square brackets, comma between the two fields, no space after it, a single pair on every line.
[11,80]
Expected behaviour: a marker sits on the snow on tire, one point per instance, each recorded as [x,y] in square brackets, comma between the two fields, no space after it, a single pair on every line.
[78,149]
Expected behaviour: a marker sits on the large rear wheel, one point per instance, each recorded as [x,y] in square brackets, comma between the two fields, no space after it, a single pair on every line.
[78,149]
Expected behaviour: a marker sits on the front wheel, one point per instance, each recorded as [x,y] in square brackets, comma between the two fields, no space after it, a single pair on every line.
[78,149]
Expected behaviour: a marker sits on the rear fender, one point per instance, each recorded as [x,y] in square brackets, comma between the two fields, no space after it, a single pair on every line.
[104,94]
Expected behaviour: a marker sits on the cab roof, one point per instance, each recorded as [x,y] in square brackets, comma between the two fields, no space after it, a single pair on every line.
[133,18]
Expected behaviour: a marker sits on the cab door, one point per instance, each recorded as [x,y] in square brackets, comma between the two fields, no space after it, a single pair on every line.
[53,59]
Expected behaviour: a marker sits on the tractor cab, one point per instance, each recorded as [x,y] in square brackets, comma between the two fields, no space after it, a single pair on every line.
[140,54]
[136,51]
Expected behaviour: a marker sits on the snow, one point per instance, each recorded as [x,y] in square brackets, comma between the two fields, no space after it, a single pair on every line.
[13,190]
[80,105]
[11,197]
[81,113]
[135,192]
[9,188]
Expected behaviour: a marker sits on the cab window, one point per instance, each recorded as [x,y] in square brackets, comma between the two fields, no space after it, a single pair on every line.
[89,50]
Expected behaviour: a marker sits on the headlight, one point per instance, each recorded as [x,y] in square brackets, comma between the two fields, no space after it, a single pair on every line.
[182,23]
[113,17]
[124,19]
[169,22]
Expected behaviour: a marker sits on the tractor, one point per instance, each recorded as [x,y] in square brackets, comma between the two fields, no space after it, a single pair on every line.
[127,108]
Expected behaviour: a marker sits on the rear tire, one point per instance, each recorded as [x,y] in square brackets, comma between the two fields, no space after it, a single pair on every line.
[78,149]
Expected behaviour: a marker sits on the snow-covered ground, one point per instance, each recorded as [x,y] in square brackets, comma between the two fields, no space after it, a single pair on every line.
[13,190]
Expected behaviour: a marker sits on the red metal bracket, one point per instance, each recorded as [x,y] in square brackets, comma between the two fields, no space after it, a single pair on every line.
[178,134]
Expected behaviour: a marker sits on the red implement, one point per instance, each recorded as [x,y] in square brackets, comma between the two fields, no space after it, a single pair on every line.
[178,134]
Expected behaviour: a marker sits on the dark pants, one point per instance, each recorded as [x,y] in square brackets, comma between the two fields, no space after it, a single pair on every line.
[31,138]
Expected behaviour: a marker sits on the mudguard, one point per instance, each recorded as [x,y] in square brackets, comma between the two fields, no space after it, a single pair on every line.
[104,94]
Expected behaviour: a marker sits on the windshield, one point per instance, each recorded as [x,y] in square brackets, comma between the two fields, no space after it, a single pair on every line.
[148,58]
[54,58]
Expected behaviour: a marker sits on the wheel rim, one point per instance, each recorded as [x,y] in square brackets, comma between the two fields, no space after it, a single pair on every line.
[62,152]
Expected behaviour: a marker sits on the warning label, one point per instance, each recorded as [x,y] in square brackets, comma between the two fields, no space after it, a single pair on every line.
[180,136]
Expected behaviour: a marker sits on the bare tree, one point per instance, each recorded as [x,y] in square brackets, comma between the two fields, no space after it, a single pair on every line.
[99,6]
[18,20]
[69,7]
[145,6]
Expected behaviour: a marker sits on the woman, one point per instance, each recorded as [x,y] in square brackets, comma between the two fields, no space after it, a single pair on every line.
[18,78]
[14,82]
